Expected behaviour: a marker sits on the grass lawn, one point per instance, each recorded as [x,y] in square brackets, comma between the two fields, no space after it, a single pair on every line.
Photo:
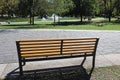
[96,24]
[106,73]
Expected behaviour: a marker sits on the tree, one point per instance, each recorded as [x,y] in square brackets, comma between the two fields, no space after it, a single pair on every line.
[2,3]
[117,7]
[8,7]
[108,7]
[11,6]
[59,7]
[41,8]
[27,8]
[84,8]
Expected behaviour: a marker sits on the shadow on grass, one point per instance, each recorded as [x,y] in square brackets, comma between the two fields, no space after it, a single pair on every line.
[62,73]
[28,26]
[116,22]
[19,24]
[106,21]
[72,23]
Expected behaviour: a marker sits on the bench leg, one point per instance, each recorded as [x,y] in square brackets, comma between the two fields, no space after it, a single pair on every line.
[23,59]
[93,65]
[20,68]
[83,60]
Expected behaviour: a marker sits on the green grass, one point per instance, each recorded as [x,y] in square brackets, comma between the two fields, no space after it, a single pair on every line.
[67,25]
[14,19]
[106,73]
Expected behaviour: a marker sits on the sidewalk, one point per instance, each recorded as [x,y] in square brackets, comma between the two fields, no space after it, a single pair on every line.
[101,61]
[109,42]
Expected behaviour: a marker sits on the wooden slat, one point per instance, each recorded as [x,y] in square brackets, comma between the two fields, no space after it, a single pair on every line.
[68,50]
[79,49]
[69,47]
[78,52]
[42,51]
[38,55]
[38,43]
[80,39]
[39,40]
[44,40]
[39,46]
[38,49]
[78,44]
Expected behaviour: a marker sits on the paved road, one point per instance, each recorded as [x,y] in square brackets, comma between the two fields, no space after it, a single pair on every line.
[109,40]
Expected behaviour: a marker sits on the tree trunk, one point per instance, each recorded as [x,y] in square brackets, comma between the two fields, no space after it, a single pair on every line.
[81,18]
[30,16]
[2,15]
[32,20]
[109,18]
[110,14]
[110,11]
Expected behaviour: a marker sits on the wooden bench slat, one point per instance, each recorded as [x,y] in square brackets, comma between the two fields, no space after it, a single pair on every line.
[44,40]
[39,46]
[39,43]
[88,46]
[39,55]
[78,44]
[74,50]
[80,49]
[42,51]
[42,48]
[77,52]
[79,39]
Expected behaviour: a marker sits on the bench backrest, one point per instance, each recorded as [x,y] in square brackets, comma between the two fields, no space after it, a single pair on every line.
[51,47]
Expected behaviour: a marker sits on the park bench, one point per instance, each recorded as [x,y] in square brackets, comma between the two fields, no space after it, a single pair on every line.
[50,49]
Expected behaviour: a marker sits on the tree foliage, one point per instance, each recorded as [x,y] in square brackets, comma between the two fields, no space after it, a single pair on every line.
[8,7]
[84,8]
[117,7]
[107,8]
[78,8]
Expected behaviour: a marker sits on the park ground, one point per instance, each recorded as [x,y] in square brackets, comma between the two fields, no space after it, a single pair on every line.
[100,73]
[98,23]
[106,73]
